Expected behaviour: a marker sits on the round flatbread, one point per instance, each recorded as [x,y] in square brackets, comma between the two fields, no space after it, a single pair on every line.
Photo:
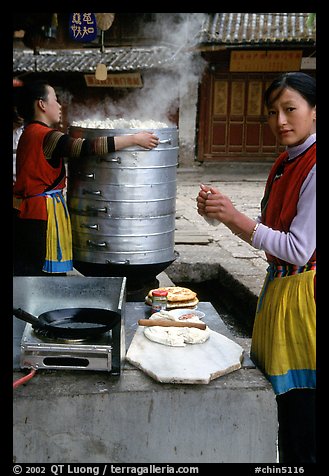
[176,293]
[176,336]
[176,304]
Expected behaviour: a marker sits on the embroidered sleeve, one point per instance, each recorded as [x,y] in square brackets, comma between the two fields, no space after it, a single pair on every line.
[50,143]
[57,144]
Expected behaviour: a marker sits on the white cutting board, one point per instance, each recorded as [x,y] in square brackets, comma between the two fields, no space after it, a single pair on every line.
[194,363]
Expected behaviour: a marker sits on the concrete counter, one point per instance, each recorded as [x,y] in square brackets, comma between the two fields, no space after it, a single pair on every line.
[93,417]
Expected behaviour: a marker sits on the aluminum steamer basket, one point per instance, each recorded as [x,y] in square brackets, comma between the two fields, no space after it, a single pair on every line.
[123,204]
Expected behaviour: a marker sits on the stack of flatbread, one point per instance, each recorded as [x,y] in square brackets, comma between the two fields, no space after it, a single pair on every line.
[177,297]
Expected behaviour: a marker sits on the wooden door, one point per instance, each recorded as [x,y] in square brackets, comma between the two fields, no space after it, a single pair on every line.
[232,121]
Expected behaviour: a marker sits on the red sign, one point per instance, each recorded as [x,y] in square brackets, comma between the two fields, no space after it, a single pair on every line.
[269,60]
[117,80]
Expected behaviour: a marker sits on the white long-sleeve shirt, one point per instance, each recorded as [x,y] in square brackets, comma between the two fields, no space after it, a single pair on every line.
[16,135]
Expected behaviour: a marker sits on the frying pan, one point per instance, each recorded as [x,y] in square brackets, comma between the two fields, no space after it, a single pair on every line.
[76,323]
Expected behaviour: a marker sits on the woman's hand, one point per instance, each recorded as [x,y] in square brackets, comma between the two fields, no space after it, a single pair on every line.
[145,139]
[213,204]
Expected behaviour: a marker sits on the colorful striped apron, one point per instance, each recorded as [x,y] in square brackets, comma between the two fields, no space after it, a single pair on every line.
[59,258]
[284,334]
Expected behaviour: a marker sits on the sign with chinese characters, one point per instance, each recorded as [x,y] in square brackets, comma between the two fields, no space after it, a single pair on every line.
[308,63]
[118,80]
[83,27]
[261,61]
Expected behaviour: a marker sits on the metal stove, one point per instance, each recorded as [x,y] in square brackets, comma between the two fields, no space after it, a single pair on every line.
[40,352]
[105,352]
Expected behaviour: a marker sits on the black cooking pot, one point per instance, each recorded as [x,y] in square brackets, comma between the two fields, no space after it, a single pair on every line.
[74,323]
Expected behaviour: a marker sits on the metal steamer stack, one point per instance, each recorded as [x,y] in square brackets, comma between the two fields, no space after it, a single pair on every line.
[122,208]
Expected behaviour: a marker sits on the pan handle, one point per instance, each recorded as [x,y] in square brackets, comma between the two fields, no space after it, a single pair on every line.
[27,317]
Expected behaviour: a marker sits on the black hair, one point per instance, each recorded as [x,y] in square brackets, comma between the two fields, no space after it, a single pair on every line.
[16,117]
[29,93]
[303,83]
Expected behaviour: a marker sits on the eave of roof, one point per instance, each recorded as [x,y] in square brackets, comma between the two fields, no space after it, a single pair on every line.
[86,60]
[219,31]
[257,29]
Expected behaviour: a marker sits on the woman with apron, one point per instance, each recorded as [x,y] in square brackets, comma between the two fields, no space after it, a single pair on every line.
[283,340]
[42,228]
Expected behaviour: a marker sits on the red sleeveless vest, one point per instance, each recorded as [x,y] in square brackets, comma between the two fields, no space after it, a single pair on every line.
[282,194]
[34,174]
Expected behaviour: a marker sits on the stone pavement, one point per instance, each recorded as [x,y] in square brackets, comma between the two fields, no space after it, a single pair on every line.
[221,256]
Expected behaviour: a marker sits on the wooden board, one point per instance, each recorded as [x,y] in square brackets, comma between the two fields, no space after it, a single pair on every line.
[193,364]
[191,237]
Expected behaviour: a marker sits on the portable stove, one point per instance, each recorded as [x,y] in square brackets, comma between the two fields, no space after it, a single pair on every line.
[104,352]
[41,352]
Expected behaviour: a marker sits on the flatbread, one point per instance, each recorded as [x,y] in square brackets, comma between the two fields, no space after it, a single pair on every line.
[176,293]
[176,304]
[176,336]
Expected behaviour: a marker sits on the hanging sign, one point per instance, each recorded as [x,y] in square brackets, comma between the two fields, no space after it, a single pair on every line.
[83,27]
[117,80]
[308,63]
[268,60]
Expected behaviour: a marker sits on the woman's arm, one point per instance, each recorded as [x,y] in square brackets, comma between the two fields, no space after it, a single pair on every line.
[298,245]
[57,145]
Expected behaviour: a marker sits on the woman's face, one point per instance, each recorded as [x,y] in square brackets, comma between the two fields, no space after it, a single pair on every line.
[52,107]
[291,118]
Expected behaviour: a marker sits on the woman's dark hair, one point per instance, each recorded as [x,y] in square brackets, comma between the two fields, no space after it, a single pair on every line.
[29,93]
[303,83]
[17,120]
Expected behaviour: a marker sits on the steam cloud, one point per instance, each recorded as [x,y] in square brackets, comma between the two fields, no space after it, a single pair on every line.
[159,97]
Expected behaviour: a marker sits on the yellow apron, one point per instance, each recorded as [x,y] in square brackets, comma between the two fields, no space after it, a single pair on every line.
[284,334]
[59,257]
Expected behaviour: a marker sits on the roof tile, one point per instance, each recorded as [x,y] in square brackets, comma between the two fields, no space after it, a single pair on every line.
[250,28]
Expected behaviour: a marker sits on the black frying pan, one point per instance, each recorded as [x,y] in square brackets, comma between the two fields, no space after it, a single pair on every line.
[74,323]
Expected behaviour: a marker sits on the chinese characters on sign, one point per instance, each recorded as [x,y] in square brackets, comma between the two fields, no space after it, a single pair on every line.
[261,61]
[118,80]
[83,27]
